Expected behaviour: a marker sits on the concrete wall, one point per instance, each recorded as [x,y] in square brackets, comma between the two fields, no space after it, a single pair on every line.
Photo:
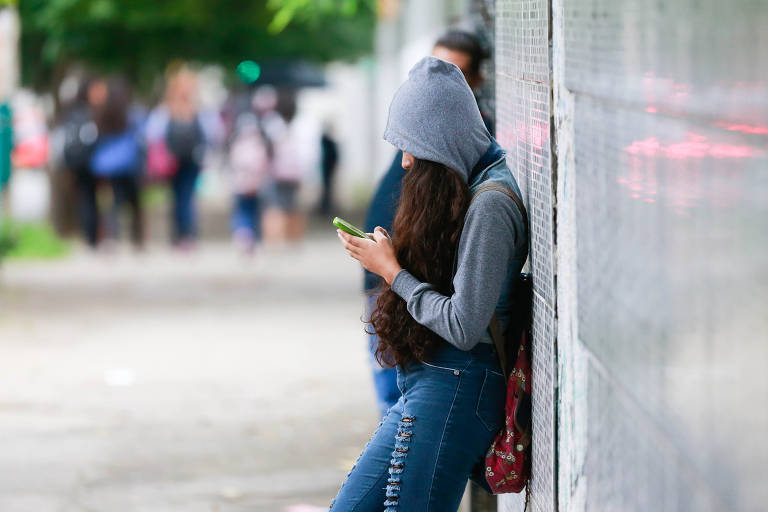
[641,139]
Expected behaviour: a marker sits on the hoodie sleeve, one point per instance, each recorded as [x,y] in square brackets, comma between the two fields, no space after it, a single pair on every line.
[492,230]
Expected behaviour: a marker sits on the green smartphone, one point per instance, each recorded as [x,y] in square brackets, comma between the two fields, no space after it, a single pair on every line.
[349,228]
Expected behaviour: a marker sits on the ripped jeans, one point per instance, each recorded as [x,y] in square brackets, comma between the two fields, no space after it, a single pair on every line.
[420,457]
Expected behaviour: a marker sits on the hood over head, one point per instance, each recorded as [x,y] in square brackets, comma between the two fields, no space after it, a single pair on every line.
[434,116]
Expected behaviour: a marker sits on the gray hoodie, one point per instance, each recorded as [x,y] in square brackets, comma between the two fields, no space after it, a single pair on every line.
[434,116]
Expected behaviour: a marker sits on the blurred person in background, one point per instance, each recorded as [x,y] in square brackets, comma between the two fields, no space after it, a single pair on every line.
[249,160]
[177,134]
[465,50]
[80,134]
[186,142]
[293,147]
[118,156]
[328,164]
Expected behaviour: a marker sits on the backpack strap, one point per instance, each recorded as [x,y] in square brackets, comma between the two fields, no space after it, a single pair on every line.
[498,342]
[495,326]
[506,191]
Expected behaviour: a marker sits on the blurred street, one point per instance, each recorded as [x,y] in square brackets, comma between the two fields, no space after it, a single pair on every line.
[195,382]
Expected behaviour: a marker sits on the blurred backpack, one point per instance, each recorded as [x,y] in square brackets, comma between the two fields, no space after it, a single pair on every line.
[185,141]
[294,149]
[507,464]
[161,163]
[80,134]
[249,156]
[116,154]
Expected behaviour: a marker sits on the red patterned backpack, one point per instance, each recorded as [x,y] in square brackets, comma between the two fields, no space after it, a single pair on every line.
[508,461]
[507,465]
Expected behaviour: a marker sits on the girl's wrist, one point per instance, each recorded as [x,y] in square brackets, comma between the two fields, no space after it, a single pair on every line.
[389,276]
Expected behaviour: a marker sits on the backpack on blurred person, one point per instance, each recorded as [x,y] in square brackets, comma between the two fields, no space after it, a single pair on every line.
[507,464]
[161,163]
[116,154]
[185,140]
[249,156]
[80,134]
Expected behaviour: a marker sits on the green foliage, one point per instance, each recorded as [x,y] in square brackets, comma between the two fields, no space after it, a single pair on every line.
[31,241]
[139,37]
[6,243]
[305,10]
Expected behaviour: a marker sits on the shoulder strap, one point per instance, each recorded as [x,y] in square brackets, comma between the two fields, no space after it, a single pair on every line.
[498,342]
[495,327]
[508,192]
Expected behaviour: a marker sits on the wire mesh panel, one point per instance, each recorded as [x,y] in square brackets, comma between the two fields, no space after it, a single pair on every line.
[523,124]
[671,152]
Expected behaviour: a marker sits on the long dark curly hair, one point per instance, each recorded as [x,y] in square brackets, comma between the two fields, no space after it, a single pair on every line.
[425,235]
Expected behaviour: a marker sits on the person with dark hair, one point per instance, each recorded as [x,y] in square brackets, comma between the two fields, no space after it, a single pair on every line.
[79,138]
[456,250]
[118,156]
[465,51]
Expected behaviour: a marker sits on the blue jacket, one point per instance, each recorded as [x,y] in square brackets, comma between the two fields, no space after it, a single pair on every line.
[381,211]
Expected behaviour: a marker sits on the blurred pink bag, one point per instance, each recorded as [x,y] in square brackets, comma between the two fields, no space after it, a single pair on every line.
[161,163]
[249,160]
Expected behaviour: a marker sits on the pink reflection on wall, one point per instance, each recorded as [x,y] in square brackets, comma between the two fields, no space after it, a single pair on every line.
[665,91]
[744,128]
[534,133]
[640,182]
[694,146]
[682,182]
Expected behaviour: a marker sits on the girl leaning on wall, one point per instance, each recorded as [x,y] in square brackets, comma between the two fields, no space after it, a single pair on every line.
[448,267]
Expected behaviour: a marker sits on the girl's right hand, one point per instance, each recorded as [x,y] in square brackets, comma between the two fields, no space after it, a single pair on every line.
[381,230]
[377,255]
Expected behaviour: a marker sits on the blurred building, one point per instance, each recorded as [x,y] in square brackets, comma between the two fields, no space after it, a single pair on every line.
[9,36]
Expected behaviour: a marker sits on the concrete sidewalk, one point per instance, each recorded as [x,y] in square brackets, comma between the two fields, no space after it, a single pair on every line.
[166,381]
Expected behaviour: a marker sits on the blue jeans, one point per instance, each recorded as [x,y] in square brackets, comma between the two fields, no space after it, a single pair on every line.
[423,453]
[246,215]
[183,213]
[384,379]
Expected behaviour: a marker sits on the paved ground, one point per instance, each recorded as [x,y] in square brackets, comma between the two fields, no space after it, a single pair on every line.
[195,382]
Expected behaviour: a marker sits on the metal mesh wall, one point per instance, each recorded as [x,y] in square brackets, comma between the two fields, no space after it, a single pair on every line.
[663,142]
[523,124]
[671,152]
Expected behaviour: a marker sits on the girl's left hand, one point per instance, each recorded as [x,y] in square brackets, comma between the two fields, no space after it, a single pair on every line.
[377,257]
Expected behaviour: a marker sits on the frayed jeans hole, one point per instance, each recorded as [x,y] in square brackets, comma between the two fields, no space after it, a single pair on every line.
[397,464]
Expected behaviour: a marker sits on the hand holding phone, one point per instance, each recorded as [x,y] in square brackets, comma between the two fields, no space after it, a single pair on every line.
[349,228]
[378,257]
